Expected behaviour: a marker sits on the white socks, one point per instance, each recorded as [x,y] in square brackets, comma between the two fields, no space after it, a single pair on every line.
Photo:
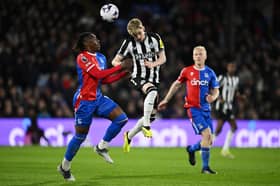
[145,120]
[228,140]
[137,128]
[103,144]
[148,107]
[66,165]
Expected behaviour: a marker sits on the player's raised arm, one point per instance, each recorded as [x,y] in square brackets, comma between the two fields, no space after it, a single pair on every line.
[126,66]
[172,90]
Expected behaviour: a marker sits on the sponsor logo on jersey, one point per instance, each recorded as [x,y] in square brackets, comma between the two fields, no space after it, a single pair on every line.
[196,82]
[145,56]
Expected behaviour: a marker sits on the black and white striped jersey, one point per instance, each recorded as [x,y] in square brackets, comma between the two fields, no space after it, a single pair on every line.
[228,89]
[139,51]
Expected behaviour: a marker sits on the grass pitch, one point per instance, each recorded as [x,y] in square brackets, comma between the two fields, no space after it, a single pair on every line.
[32,166]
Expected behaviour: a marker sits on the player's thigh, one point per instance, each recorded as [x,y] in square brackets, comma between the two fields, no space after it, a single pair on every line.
[208,120]
[198,120]
[106,106]
[84,112]
[115,113]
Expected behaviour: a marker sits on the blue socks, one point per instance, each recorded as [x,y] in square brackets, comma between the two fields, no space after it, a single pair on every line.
[115,127]
[195,147]
[74,146]
[205,154]
[111,132]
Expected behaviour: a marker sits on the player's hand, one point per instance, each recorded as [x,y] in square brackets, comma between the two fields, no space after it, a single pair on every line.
[127,64]
[162,105]
[116,63]
[210,98]
[149,64]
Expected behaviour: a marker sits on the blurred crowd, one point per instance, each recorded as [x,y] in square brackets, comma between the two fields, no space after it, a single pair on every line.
[37,65]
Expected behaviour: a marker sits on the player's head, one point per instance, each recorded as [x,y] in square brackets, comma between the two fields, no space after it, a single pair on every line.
[199,56]
[136,29]
[87,41]
[231,67]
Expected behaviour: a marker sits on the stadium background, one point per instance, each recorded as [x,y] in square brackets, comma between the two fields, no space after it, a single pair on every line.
[37,74]
[38,69]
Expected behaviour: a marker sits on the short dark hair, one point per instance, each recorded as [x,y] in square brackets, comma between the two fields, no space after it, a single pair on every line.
[79,45]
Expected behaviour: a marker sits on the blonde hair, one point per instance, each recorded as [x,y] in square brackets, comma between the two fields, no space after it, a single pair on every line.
[200,47]
[133,25]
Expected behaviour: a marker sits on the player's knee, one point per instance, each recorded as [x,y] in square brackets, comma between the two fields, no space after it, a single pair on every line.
[206,139]
[80,137]
[121,119]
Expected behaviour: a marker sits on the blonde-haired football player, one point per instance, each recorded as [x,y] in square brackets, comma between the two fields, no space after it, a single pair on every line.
[147,52]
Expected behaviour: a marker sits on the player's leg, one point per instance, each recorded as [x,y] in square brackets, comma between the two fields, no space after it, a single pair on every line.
[83,120]
[206,142]
[138,127]
[219,126]
[151,93]
[128,135]
[202,124]
[221,118]
[225,151]
[109,109]
[194,116]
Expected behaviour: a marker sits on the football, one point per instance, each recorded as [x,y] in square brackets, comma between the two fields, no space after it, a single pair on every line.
[109,12]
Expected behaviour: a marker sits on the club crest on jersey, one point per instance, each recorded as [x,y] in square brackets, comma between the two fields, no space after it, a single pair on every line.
[206,75]
[84,59]
[191,73]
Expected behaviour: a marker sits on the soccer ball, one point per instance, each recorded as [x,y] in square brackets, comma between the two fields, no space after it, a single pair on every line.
[109,12]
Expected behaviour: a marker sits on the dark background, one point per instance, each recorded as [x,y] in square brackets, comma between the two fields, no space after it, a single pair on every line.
[37,66]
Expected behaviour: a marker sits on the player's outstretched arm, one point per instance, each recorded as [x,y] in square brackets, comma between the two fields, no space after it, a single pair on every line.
[100,74]
[172,90]
[114,77]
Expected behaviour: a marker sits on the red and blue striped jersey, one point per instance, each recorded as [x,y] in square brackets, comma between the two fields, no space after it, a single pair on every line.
[199,82]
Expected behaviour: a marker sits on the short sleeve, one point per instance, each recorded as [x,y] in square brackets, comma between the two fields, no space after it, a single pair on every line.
[214,83]
[85,63]
[182,77]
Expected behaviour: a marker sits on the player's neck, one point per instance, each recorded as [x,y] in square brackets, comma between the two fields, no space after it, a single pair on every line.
[93,54]
[198,67]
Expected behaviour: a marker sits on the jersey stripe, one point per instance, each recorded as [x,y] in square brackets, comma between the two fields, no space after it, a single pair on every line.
[148,49]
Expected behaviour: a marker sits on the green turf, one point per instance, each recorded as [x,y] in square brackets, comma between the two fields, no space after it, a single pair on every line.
[32,166]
